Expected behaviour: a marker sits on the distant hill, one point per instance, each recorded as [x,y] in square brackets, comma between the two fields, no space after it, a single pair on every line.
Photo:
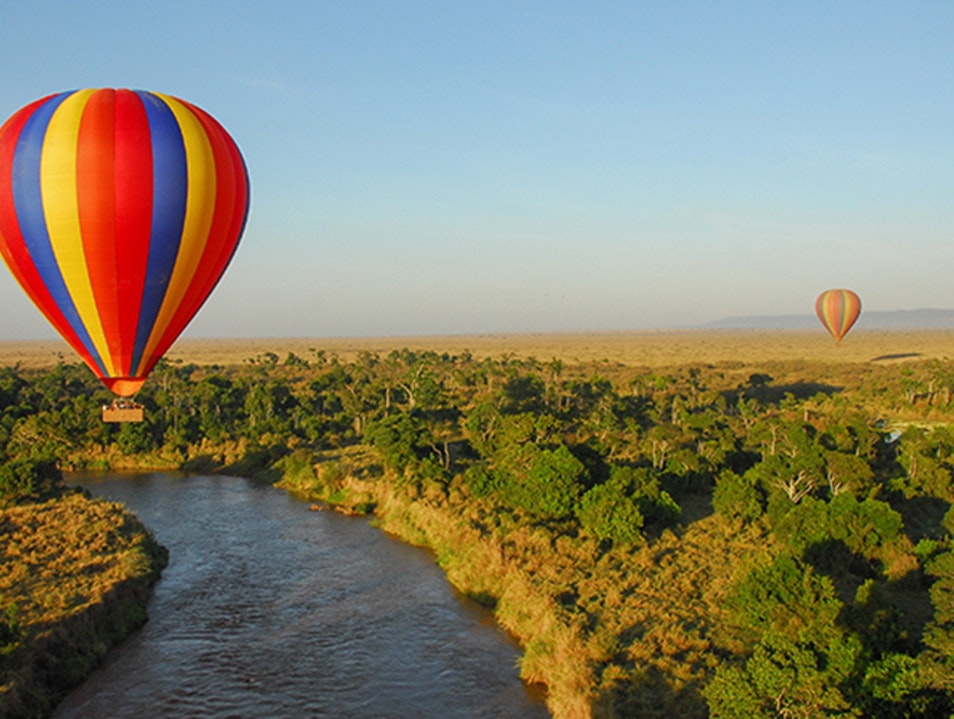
[898,319]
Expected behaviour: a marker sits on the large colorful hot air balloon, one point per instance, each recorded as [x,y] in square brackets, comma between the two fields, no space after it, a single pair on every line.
[119,212]
[838,310]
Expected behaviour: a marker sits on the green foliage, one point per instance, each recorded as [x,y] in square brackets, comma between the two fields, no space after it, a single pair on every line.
[608,512]
[863,526]
[397,438]
[736,497]
[299,468]
[939,635]
[135,438]
[800,526]
[891,679]
[480,482]
[785,677]
[786,597]
[732,694]
[524,394]
[848,473]
[28,480]
[552,486]
[10,630]
[541,459]
[655,504]
[927,456]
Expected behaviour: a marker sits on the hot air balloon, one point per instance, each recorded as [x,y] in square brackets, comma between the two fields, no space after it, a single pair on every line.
[838,310]
[119,212]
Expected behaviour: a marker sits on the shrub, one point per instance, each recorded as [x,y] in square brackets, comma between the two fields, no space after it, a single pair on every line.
[299,468]
[480,482]
[553,485]
[28,480]
[863,526]
[397,438]
[10,630]
[735,497]
[643,485]
[607,513]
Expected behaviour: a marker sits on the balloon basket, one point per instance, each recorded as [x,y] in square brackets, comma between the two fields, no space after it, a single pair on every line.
[122,411]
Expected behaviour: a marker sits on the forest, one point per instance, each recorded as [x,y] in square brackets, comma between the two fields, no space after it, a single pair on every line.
[728,540]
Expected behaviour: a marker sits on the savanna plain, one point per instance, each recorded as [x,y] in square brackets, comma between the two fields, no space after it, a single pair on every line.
[674,523]
[636,349]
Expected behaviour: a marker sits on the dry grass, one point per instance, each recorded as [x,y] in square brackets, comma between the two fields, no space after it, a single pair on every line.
[77,571]
[636,349]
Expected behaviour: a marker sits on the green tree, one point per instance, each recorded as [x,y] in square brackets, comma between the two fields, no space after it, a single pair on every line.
[219,406]
[135,437]
[865,527]
[28,480]
[397,437]
[553,485]
[847,473]
[785,677]
[928,460]
[939,634]
[736,497]
[608,512]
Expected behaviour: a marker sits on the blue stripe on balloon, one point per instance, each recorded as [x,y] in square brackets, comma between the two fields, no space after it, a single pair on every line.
[170,189]
[28,201]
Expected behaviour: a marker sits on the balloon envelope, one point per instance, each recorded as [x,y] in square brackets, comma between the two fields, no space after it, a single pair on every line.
[119,212]
[838,310]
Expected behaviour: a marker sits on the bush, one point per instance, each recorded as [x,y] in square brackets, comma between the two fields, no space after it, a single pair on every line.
[735,497]
[643,485]
[480,482]
[397,438]
[607,513]
[10,630]
[863,526]
[299,468]
[28,480]
[554,484]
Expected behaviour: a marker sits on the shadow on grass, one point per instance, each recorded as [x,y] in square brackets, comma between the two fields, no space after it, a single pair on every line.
[651,694]
[923,516]
[203,463]
[259,463]
[887,358]
[762,391]
[890,614]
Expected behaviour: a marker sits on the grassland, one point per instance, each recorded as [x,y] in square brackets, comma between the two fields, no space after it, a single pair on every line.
[619,631]
[78,573]
[637,349]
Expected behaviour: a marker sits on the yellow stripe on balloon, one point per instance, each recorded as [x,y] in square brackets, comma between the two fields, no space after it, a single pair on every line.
[61,211]
[200,208]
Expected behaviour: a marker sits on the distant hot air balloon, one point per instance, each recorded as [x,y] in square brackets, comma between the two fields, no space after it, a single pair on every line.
[838,310]
[119,212]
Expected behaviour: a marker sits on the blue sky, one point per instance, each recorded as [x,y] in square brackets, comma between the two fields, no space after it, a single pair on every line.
[442,167]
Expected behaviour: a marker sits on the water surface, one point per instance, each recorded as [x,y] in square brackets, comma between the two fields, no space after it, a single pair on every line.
[270,610]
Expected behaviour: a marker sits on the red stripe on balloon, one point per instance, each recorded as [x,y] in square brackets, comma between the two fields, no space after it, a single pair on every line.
[134,203]
[96,203]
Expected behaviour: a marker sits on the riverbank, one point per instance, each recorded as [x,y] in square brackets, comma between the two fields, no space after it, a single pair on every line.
[77,576]
[557,654]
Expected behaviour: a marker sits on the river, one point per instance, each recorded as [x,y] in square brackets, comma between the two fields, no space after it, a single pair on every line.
[268,609]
